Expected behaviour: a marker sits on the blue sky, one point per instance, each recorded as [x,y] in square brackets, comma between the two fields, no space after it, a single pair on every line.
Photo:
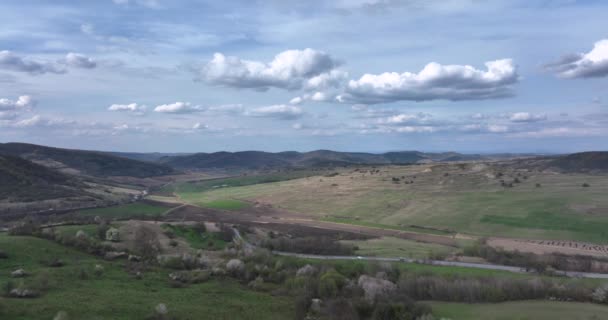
[351,75]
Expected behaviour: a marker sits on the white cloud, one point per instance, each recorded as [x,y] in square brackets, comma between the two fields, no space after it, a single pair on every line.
[296,100]
[42,121]
[497,128]
[435,81]
[291,69]
[178,107]
[561,132]
[12,62]
[404,118]
[131,107]
[332,79]
[200,126]
[280,111]
[22,103]
[77,60]
[583,65]
[527,117]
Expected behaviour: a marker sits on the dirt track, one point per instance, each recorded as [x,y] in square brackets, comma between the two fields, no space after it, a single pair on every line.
[550,246]
[269,217]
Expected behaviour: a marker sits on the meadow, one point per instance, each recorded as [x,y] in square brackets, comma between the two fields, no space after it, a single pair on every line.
[520,310]
[126,210]
[459,198]
[116,294]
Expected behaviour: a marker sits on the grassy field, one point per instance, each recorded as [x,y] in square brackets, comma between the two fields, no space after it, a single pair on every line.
[115,294]
[126,210]
[196,239]
[521,310]
[463,198]
[395,247]
[225,204]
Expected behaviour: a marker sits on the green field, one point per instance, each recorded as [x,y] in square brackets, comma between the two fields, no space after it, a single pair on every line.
[196,239]
[116,294]
[520,310]
[225,204]
[464,199]
[245,180]
[126,210]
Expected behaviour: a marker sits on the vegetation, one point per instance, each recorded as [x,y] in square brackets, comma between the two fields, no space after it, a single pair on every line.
[226,204]
[24,181]
[137,209]
[130,298]
[396,247]
[524,310]
[198,237]
[89,162]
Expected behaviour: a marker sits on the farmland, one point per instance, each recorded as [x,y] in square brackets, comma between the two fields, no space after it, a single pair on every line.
[461,198]
[521,310]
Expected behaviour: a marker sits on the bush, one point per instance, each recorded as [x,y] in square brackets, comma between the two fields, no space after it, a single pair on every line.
[330,283]
[309,245]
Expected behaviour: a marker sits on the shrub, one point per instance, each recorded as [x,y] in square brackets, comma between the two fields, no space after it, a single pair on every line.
[330,283]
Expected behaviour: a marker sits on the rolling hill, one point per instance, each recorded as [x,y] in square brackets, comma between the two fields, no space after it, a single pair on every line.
[23,180]
[595,161]
[91,163]
[268,160]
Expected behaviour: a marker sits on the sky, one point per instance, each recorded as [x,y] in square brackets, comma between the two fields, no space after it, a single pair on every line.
[471,76]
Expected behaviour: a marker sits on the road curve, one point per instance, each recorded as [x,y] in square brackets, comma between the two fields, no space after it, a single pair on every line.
[571,274]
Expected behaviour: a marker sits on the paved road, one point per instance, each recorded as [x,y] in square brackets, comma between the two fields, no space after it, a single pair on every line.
[572,274]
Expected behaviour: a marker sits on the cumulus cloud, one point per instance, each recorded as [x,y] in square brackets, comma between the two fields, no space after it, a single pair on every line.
[131,108]
[583,65]
[280,111]
[404,118]
[527,117]
[178,107]
[42,121]
[291,69]
[13,62]
[435,81]
[200,126]
[77,60]
[318,96]
[22,103]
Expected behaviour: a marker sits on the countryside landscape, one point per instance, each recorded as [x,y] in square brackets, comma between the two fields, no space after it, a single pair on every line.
[324,234]
[303,160]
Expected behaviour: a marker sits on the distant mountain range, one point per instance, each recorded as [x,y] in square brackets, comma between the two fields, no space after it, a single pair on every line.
[268,160]
[29,172]
[93,163]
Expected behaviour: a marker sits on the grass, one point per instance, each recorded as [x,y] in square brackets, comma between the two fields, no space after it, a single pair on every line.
[226,204]
[126,210]
[395,247]
[520,310]
[117,295]
[196,239]
[471,202]
[212,184]
[384,226]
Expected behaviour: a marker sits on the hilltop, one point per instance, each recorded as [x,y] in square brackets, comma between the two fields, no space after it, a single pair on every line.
[93,163]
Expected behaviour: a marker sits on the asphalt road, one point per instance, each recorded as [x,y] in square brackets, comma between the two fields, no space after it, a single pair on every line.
[572,274]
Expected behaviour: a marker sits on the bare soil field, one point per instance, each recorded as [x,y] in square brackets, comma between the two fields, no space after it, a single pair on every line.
[550,246]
